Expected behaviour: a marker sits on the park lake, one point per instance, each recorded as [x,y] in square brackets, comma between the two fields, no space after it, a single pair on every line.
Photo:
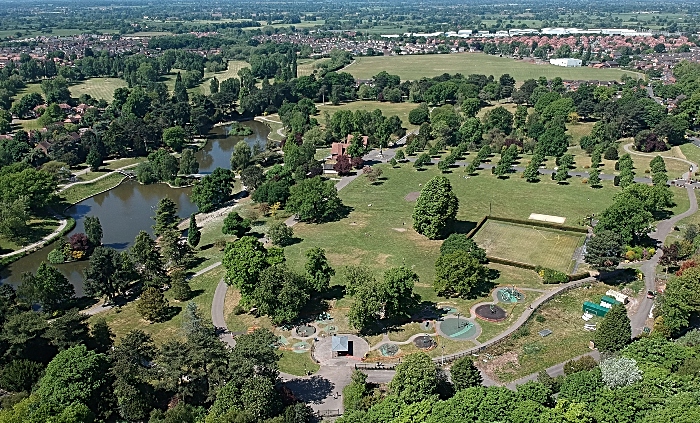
[128,208]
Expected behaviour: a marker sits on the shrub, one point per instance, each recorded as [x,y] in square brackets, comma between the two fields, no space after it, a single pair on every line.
[551,276]
[584,363]
[611,154]
[56,256]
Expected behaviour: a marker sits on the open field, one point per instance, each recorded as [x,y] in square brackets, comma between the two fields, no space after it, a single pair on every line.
[122,320]
[378,231]
[529,244]
[99,88]
[417,66]
[232,72]
[526,352]
[306,66]
[388,109]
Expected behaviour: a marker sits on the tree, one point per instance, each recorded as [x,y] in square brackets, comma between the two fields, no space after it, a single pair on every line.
[314,200]
[101,336]
[244,259]
[620,371]
[342,165]
[615,331]
[470,107]
[593,177]
[460,242]
[499,118]
[75,375]
[94,160]
[397,290]
[436,208]
[458,273]
[279,293]
[604,251]
[188,162]
[131,372]
[416,379]
[280,234]
[146,260]
[180,90]
[166,216]
[176,252]
[213,190]
[400,156]
[240,158]
[93,230]
[69,330]
[252,177]
[13,219]
[152,305]
[422,160]
[20,375]
[465,374]
[235,225]
[47,287]
[355,392]
[174,137]
[108,273]
[419,115]
[193,233]
[318,270]
[561,174]
[180,286]
[627,217]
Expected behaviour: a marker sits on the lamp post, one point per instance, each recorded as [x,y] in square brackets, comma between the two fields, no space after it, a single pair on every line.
[458,320]
[443,354]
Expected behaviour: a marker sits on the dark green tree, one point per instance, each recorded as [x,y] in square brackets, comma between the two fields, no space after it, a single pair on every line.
[252,177]
[93,230]
[318,270]
[244,259]
[166,216]
[459,242]
[152,305]
[213,190]
[94,160]
[464,374]
[47,287]
[615,331]
[280,294]
[180,91]
[240,158]
[193,233]
[280,234]
[436,208]
[235,225]
[416,379]
[458,273]
[188,162]
[604,251]
[180,286]
[108,273]
[594,177]
[132,374]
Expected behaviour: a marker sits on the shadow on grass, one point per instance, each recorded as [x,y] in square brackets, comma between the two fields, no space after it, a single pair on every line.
[462,226]
[312,390]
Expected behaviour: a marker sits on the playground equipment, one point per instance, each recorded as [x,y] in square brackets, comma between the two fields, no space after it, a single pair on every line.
[389,350]
[509,295]
[601,309]
[424,342]
[305,330]
[490,312]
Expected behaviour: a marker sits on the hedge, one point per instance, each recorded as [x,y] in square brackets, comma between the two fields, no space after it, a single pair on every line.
[551,276]
[511,263]
[540,224]
[477,227]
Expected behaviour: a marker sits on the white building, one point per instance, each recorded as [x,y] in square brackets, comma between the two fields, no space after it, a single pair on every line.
[567,63]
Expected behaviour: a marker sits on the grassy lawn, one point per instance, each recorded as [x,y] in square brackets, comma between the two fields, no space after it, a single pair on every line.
[297,363]
[417,66]
[388,109]
[119,163]
[378,231]
[232,72]
[31,124]
[122,320]
[38,229]
[307,66]
[79,192]
[527,352]
[274,123]
[99,88]
[691,152]
[529,244]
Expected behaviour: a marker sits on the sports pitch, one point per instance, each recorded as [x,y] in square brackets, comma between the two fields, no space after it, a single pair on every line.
[533,245]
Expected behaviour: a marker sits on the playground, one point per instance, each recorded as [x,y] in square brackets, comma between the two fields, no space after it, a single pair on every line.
[534,245]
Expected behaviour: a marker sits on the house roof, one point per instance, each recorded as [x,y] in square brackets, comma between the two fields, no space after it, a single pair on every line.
[339,343]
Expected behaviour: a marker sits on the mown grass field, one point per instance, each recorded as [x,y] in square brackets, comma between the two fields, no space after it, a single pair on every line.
[417,66]
[529,244]
[38,228]
[232,72]
[99,88]
[388,109]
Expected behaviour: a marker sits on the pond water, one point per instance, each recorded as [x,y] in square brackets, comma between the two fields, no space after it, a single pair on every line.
[129,208]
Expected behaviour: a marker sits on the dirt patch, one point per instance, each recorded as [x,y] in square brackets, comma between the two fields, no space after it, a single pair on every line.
[353,257]
[412,196]
[500,363]
[399,229]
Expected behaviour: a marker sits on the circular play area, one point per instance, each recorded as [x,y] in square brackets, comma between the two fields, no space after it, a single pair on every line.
[509,295]
[301,347]
[305,331]
[490,312]
[460,329]
[424,342]
[389,349]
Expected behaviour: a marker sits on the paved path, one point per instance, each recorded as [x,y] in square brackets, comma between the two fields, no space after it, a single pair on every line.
[61,226]
[120,170]
[693,166]
[280,131]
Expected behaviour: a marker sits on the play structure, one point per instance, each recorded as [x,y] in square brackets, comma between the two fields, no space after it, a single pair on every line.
[601,309]
[305,330]
[490,312]
[509,295]
[458,329]
[389,350]
[424,342]
[301,347]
